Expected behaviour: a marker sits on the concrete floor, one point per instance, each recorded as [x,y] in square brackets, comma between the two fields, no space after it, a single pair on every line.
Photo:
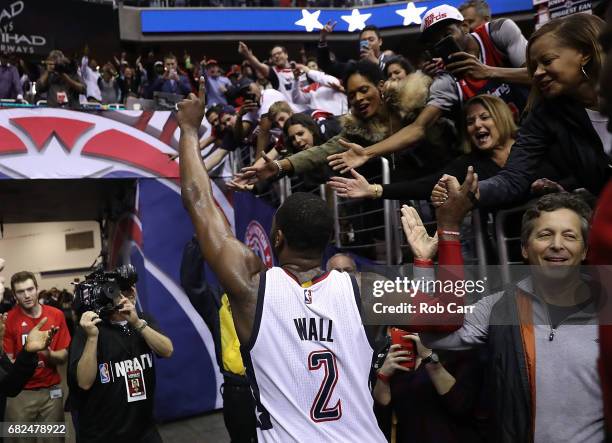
[207,428]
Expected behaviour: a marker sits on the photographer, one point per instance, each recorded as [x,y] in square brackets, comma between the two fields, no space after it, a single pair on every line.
[111,372]
[60,81]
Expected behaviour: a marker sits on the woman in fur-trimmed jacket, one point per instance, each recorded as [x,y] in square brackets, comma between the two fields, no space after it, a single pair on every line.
[377,111]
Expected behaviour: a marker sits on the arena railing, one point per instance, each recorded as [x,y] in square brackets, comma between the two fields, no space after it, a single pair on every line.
[508,239]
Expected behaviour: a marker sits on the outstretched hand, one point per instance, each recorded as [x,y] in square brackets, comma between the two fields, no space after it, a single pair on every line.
[239,184]
[357,187]
[190,113]
[423,246]
[256,173]
[354,156]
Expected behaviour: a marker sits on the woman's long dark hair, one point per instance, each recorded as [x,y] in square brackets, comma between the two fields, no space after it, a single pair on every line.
[307,122]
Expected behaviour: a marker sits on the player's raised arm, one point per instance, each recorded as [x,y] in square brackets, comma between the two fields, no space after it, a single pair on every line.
[236,266]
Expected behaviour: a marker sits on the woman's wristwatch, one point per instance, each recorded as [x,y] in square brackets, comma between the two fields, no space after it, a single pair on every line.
[432,358]
[377,190]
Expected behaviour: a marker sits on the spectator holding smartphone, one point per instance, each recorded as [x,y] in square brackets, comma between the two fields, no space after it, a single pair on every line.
[434,397]
[370,48]
[257,102]
[443,412]
[171,81]
[490,60]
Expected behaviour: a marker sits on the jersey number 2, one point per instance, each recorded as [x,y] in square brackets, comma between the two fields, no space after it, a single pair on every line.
[320,410]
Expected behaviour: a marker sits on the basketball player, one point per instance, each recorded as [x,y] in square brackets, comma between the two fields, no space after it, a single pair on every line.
[306,351]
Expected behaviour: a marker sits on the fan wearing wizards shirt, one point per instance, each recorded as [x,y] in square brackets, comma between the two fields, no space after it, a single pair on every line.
[490,60]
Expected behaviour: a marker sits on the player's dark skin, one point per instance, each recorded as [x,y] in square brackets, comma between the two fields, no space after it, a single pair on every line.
[237,267]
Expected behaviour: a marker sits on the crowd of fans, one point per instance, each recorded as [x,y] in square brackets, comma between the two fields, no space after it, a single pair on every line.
[523,118]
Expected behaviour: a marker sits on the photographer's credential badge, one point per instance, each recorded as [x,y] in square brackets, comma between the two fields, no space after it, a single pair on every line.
[135,386]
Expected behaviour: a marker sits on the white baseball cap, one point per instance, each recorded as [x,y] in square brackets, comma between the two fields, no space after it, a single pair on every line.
[439,14]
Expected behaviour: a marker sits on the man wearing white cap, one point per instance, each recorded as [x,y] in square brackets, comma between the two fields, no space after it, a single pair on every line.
[490,60]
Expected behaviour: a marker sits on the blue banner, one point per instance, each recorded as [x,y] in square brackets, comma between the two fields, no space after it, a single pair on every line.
[394,15]
[253,224]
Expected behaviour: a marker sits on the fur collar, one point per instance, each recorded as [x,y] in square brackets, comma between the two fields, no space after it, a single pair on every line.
[404,101]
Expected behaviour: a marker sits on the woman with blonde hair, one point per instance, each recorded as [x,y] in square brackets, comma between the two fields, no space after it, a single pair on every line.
[564,126]
[488,135]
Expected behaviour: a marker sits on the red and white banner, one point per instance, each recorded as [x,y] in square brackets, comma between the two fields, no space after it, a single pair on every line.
[48,143]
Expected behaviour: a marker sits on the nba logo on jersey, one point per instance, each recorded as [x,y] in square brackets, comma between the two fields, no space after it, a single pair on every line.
[307,296]
[104,373]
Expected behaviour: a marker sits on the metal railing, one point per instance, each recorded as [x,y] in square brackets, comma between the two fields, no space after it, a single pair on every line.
[475,238]
[504,239]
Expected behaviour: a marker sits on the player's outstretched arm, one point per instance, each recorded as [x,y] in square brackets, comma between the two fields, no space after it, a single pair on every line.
[236,266]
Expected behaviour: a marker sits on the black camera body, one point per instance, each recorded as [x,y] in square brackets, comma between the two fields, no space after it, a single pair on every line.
[65,66]
[99,289]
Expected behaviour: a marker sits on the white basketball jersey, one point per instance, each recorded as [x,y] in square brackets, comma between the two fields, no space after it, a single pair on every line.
[309,362]
[286,82]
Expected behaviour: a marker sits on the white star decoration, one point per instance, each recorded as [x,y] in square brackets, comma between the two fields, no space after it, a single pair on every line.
[356,20]
[310,20]
[411,14]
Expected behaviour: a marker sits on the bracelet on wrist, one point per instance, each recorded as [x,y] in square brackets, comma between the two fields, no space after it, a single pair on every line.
[447,232]
[143,324]
[382,377]
[280,168]
[423,262]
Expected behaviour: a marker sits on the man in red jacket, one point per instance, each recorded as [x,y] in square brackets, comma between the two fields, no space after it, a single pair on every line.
[600,244]
[42,398]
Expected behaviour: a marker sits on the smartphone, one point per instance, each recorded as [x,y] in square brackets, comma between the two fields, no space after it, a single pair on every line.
[445,47]
[397,338]
[364,45]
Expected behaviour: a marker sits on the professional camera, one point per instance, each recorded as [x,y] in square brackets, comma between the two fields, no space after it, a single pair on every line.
[97,292]
[65,66]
